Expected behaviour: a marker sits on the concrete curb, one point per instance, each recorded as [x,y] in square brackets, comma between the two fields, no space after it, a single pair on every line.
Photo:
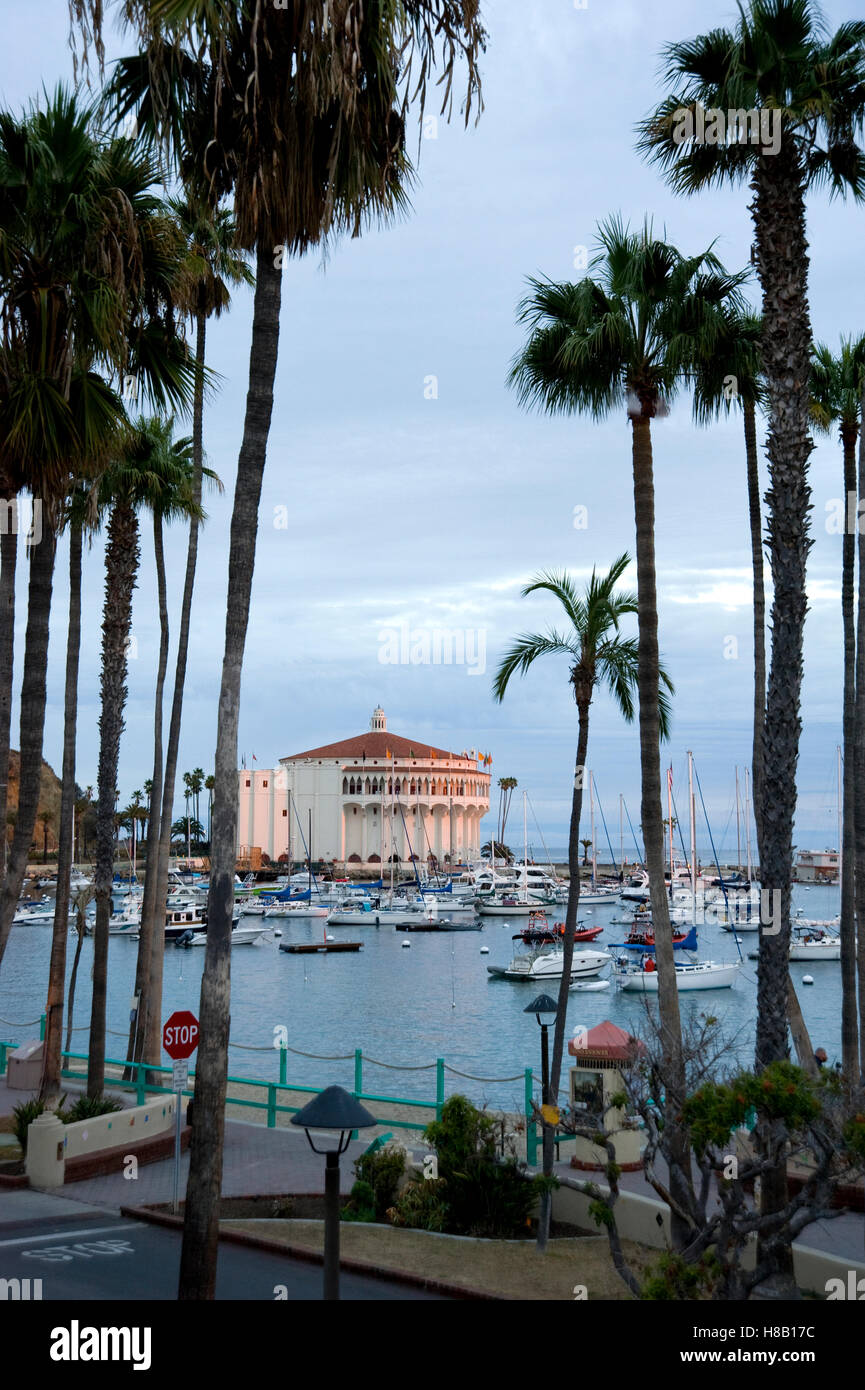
[297,1252]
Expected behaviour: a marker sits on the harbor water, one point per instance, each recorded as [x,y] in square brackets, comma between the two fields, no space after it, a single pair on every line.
[405,1006]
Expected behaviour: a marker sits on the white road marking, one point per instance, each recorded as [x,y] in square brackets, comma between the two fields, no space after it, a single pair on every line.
[64,1235]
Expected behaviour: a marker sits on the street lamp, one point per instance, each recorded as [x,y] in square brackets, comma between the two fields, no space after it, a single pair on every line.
[544,1005]
[333,1109]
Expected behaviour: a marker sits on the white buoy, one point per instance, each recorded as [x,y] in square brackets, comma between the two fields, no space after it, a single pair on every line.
[485,950]
[277,932]
[406,943]
[807,979]
[329,938]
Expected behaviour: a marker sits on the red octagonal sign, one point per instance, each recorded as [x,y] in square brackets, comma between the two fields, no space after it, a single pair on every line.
[180,1035]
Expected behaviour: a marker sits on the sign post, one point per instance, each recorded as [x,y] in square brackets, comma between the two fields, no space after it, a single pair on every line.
[180,1039]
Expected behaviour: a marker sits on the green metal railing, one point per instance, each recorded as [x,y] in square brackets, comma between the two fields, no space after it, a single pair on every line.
[135,1079]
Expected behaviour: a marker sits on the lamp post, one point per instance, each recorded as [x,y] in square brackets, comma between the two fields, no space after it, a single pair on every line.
[333,1109]
[541,1006]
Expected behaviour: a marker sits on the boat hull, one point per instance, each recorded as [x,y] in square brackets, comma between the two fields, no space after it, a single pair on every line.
[688,977]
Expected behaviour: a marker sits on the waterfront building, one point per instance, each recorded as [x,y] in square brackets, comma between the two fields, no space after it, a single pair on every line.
[817,866]
[371,798]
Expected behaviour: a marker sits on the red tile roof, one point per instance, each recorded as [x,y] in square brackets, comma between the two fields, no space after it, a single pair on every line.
[377,745]
[605,1040]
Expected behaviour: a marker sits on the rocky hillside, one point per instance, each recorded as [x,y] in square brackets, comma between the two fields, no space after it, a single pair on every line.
[49,800]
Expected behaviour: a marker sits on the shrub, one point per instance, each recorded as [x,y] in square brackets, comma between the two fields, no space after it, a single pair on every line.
[361,1203]
[381,1171]
[23,1116]
[422,1206]
[88,1108]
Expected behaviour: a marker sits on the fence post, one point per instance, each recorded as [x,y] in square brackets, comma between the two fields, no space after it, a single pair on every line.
[283,1066]
[531,1127]
[140,1087]
[42,1029]
[358,1071]
[2,1058]
[271,1105]
[440,1086]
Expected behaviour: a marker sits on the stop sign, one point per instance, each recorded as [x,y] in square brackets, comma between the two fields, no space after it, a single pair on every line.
[180,1035]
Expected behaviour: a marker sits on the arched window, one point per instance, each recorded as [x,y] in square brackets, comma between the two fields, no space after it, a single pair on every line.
[390,786]
[413,788]
[397,787]
[367,787]
[351,787]
[426,786]
[345,786]
[462,788]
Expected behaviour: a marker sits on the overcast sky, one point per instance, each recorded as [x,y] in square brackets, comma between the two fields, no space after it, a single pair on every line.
[393,499]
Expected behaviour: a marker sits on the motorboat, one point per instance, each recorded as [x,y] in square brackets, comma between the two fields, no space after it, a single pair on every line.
[240,936]
[541,930]
[507,905]
[642,977]
[546,962]
[295,910]
[814,943]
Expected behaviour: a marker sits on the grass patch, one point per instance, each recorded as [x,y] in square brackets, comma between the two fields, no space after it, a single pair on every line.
[497,1267]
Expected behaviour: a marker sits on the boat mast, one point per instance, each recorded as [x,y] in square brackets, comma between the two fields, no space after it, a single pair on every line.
[748,825]
[309,859]
[525,854]
[670,819]
[592,809]
[621,841]
[738,829]
[693,815]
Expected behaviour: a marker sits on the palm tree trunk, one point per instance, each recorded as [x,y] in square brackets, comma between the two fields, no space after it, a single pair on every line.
[567,961]
[782,264]
[8,560]
[652,818]
[51,1063]
[121,567]
[200,1230]
[150,919]
[849,1013]
[32,720]
[859,758]
[756,527]
[72,981]
[150,1023]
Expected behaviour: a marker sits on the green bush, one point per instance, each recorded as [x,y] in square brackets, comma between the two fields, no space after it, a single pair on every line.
[88,1108]
[422,1206]
[23,1116]
[381,1172]
[361,1203]
[477,1193]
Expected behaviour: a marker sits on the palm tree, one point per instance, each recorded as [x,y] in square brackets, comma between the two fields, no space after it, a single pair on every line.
[153,472]
[210,783]
[45,818]
[780,61]
[506,791]
[311,139]
[81,901]
[181,501]
[587,845]
[836,397]
[67,259]
[629,334]
[599,656]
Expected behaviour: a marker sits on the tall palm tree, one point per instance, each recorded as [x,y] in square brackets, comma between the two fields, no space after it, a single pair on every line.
[45,818]
[836,399]
[151,472]
[179,502]
[304,121]
[781,61]
[210,783]
[627,336]
[68,248]
[599,657]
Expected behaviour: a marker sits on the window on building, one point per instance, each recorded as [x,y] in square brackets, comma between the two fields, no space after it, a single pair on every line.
[345,786]
[285,813]
[264,783]
[247,782]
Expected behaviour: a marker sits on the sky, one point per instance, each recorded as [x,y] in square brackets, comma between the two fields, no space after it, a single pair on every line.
[406,490]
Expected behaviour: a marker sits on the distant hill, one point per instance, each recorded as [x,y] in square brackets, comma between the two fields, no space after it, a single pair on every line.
[49,799]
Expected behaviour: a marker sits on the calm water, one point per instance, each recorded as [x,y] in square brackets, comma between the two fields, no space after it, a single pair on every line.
[401,1006]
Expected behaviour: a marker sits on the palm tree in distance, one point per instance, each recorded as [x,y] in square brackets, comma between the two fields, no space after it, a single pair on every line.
[587,845]
[599,657]
[836,400]
[628,336]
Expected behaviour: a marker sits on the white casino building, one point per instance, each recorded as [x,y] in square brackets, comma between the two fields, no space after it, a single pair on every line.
[371,796]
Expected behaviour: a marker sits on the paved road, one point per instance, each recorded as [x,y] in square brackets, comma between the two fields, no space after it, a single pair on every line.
[88,1254]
